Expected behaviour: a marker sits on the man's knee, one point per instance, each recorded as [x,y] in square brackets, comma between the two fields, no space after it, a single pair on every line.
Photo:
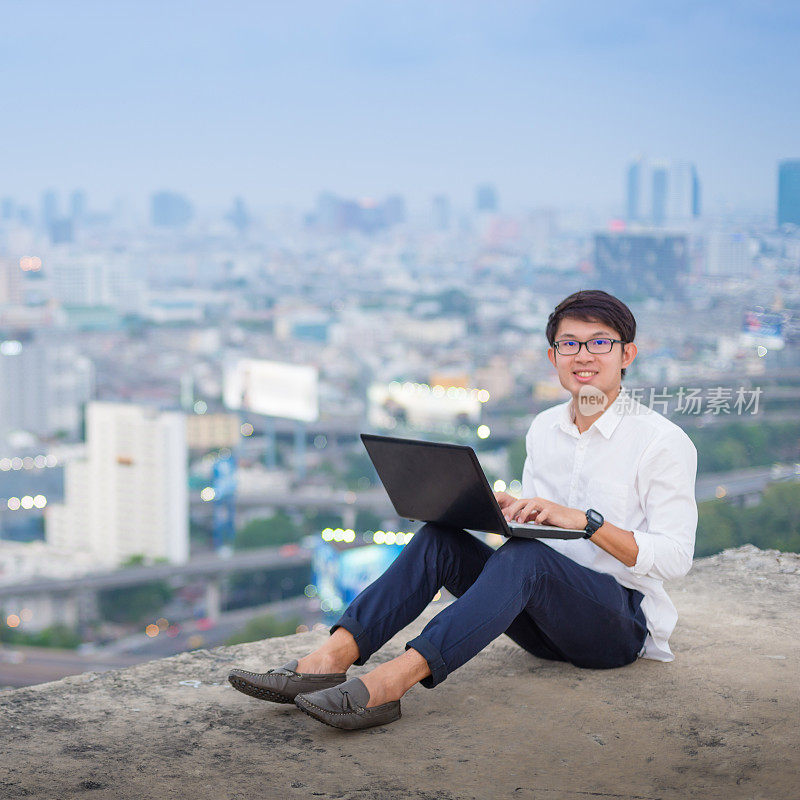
[431,535]
[523,555]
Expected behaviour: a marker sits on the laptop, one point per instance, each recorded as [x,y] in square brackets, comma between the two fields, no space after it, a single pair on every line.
[444,483]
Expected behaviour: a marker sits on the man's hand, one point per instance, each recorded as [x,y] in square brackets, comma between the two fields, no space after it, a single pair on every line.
[540,511]
[504,500]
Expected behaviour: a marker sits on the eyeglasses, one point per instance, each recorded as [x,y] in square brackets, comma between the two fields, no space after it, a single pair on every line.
[598,347]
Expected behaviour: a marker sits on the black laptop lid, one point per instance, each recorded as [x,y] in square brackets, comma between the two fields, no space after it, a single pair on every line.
[435,482]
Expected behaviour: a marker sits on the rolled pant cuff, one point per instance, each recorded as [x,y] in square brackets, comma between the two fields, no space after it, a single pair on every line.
[365,649]
[434,659]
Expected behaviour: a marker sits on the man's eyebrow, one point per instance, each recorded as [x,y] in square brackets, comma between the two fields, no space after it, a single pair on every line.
[596,333]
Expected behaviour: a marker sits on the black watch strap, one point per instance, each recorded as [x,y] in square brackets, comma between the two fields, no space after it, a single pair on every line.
[594,520]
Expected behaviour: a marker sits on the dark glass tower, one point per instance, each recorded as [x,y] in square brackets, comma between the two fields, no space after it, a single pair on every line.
[789,192]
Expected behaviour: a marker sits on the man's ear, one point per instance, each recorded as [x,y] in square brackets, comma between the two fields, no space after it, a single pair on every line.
[629,354]
[551,354]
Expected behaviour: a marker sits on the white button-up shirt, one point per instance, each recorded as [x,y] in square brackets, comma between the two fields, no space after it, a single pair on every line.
[638,470]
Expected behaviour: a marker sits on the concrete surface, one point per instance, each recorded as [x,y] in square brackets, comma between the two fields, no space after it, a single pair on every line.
[721,721]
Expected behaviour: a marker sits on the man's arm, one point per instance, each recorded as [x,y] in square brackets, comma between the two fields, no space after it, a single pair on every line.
[618,542]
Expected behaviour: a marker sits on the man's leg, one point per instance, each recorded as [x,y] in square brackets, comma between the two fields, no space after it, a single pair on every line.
[436,556]
[585,616]
[544,601]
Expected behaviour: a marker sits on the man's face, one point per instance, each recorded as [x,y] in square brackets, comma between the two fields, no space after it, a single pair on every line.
[599,371]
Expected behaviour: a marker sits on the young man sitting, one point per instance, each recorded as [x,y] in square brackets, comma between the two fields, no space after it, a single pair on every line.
[601,462]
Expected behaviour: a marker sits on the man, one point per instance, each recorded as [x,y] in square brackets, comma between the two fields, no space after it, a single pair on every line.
[601,462]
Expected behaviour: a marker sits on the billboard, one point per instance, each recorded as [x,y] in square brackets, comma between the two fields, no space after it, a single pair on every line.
[273,388]
[418,405]
[763,327]
[340,574]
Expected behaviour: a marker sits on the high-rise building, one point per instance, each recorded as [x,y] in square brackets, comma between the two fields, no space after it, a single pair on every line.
[335,214]
[44,383]
[394,210]
[683,193]
[660,192]
[635,190]
[789,192]
[637,265]
[49,208]
[11,289]
[486,198]
[129,496]
[97,280]
[441,212]
[728,254]
[61,231]
[660,179]
[170,210]
[238,216]
[78,207]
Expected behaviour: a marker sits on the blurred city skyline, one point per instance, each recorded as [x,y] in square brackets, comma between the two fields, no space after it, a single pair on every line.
[549,103]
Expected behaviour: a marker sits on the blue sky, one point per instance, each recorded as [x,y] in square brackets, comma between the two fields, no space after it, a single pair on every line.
[278,101]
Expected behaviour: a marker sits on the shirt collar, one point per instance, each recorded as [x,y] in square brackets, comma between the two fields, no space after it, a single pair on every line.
[606,423]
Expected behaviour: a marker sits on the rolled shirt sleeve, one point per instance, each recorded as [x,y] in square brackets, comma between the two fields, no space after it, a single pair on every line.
[666,479]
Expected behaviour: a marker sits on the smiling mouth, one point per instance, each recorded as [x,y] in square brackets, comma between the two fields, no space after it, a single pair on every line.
[584,373]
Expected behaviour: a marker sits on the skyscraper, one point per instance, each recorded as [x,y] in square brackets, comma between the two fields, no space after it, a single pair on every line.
[634,200]
[441,212]
[683,192]
[49,208]
[170,210]
[44,383]
[486,198]
[648,264]
[789,192]
[11,287]
[660,187]
[78,207]
[660,192]
[130,495]
[238,216]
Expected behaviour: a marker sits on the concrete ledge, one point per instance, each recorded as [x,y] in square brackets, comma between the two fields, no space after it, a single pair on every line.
[720,721]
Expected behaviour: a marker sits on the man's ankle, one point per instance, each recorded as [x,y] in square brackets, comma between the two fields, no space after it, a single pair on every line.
[322,664]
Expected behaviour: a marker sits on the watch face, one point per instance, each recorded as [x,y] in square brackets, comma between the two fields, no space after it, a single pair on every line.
[593,517]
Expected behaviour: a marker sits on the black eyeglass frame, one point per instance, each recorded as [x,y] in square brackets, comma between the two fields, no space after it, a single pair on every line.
[586,344]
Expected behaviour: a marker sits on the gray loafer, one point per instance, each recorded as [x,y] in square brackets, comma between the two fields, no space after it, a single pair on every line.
[345,707]
[283,684]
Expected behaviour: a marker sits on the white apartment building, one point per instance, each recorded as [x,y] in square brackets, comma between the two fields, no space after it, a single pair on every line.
[97,280]
[129,496]
[11,288]
[44,383]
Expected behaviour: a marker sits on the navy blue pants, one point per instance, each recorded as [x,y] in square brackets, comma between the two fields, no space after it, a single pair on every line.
[547,603]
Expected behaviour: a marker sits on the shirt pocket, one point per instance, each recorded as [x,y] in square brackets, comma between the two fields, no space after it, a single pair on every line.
[610,498]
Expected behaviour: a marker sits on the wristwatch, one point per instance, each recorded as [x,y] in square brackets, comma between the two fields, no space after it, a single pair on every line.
[594,520]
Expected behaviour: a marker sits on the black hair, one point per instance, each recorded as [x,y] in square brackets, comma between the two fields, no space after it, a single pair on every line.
[594,305]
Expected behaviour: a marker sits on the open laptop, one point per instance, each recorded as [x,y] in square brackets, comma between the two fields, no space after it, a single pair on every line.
[444,483]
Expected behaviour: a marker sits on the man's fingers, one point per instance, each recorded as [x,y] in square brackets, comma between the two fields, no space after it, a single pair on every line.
[512,510]
[530,508]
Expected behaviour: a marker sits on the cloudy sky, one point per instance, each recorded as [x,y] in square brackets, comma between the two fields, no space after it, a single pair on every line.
[278,101]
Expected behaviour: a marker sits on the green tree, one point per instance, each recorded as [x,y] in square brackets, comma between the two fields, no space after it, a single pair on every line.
[315,521]
[360,473]
[264,627]
[735,445]
[775,522]
[772,524]
[719,526]
[58,636]
[271,532]
[516,459]
[134,603]
[367,520]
